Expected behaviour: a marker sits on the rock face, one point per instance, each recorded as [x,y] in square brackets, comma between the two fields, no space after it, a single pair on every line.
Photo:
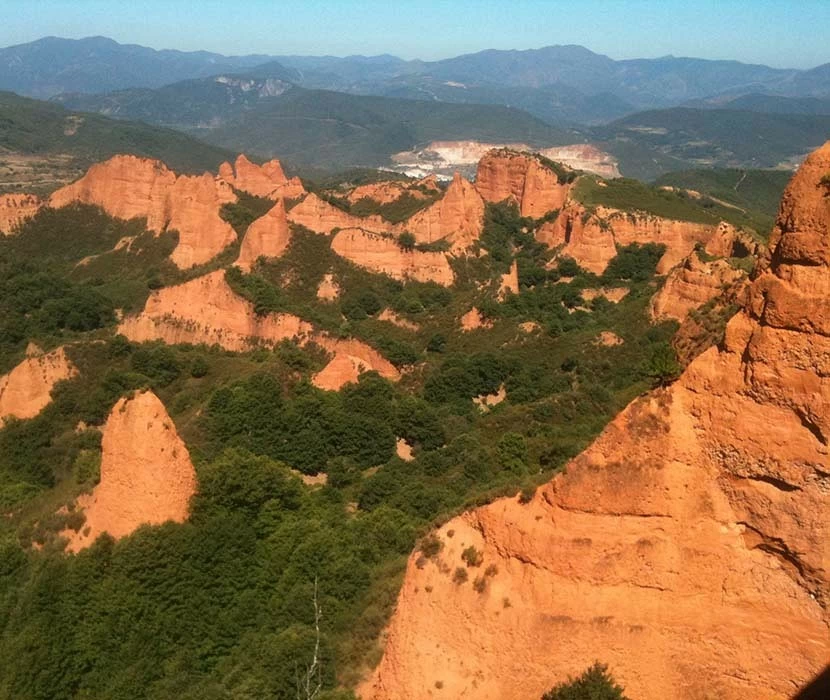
[147,477]
[592,238]
[206,310]
[458,217]
[521,178]
[15,209]
[341,370]
[26,390]
[509,283]
[687,547]
[391,191]
[267,237]
[128,187]
[383,254]
[267,180]
[328,289]
[690,285]
[319,216]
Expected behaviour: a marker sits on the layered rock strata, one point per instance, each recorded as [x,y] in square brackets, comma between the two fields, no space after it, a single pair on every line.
[690,285]
[687,547]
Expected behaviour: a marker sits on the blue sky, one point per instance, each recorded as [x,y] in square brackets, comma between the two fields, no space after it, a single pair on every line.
[780,33]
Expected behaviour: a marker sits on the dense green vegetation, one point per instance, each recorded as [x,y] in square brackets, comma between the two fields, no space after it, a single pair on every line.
[632,195]
[756,192]
[224,606]
[44,129]
[649,144]
[595,683]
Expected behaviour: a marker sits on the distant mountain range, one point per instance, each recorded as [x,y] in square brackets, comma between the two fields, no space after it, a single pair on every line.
[653,115]
[555,83]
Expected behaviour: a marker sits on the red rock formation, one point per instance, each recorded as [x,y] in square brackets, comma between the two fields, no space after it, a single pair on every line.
[509,283]
[690,285]
[458,217]
[393,318]
[581,236]
[206,310]
[328,289]
[613,294]
[321,217]
[267,237]
[473,320]
[27,389]
[383,254]
[687,547]
[128,187]
[194,213]
[267,180]
[15,209]
[341,370]
[147,477]
[592,238]
[520,177]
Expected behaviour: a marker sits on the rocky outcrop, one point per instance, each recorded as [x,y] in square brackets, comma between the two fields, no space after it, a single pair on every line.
[690,285]
[592,237]
[328,289]
[342,369]
[520,178]
[686,547]
[581,236]
[396,320]
[473,320]
[318,215]
[267,237]
[266,180]
[383,254]
[458,217]
[15,209]
[392,190]
[613,294]
[206,310]
[27,389]
[509,282]
[147,477]
[129,187]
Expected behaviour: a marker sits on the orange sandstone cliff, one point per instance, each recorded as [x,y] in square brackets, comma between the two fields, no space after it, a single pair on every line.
[266,180]
[318,215]
[690,285]
[383,254]
[15,209]
[147,477]
[266,237]
[521,178]
[458,217]
[206,310]
[128,187]
[591,238]
[26,390]
[687,547]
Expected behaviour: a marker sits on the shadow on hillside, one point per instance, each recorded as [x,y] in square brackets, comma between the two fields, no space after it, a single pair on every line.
[816,689]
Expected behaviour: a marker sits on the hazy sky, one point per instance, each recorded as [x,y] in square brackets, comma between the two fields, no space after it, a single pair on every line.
[780,33]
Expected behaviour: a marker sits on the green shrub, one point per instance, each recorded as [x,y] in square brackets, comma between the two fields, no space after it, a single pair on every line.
[594,684]
[460,576]
[472,557]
